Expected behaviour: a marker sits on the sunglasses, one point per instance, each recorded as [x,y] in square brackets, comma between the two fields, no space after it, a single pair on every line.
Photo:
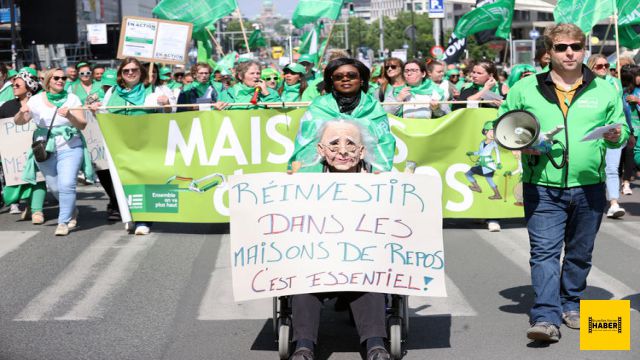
[271,79]
[601,66]
[57,78]
[130,71]
[17,86]
[351,75]
[85,73]
[392,67]
[564,47]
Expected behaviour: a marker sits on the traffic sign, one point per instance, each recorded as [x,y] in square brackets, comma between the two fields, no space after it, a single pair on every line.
[534,34]
[436,9]
[436,51]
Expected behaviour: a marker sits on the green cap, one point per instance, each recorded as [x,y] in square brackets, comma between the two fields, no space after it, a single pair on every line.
[30,70]
[488,125]
[110,77]
[296,68]
[164,73]
[307,58]
[81,64]
[11,73]
[452,72]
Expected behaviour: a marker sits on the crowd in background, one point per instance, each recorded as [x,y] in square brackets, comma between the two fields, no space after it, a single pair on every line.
[416,88]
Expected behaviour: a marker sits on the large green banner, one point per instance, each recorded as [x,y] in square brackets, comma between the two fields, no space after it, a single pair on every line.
[169,164]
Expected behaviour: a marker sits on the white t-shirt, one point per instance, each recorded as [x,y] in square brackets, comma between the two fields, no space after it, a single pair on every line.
[42,112]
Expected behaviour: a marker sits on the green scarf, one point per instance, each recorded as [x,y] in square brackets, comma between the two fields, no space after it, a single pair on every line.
[78,90]
[133,96]
[369,113]
[427,87]
[6,93]
[241,93]
[291,93]
[397,89]
[174,85]
[201,88]
[117,100]
[57,99]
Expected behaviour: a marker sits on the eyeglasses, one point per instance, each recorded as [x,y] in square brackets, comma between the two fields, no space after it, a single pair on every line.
[411,71]
[601,66]
[351,75]
[130,71]
[85,73]
[57,78]
[350,148]
[17,86]
[564,47]
[271,79]
[392,67]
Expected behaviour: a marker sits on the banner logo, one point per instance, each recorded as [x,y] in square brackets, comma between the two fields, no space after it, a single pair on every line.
[604,325]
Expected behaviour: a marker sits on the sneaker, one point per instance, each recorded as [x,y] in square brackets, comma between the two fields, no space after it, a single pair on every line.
[62,230]
[142,229]
[626,189]
[615,211]
[571,319]
[378,353]
[15,209]
[302,353]
[544,331]
[113,214]
[37,218]
[73,223]
[493,226]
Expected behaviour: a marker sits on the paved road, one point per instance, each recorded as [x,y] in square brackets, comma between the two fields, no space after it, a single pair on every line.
[102,294]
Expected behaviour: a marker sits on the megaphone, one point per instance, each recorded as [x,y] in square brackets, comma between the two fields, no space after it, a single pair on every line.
[519,129]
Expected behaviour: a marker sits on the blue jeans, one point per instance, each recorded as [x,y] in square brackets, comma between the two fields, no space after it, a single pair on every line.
[61,172]
[612,160]
[557,217]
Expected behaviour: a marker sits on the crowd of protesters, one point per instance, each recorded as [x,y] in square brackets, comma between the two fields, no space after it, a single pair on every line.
[416,88]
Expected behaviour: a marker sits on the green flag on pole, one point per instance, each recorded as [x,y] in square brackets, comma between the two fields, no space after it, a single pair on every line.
[498,15]
[628,12]
[309,11]
[629,37]
[200,13]
[203,42]
[256,40]
[583,13]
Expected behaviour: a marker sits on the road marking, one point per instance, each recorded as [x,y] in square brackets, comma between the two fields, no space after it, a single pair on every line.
[79,292]
[218,304]
[514,245]
[11,240]
[623,231]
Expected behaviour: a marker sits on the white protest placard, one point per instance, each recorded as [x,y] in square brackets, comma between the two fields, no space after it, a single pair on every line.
[307,233]
[97,34]
[15,141]
[154,40]
[95,142]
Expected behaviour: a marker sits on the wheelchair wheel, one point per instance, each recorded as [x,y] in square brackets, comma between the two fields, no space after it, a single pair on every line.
[284,339]
[395,337]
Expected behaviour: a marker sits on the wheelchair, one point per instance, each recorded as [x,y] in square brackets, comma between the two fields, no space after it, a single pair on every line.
[397,315]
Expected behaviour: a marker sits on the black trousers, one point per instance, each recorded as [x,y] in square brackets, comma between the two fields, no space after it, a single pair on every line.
[368,312]
[107,185]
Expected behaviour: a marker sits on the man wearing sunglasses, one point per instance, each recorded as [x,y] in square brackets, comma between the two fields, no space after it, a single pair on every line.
[564,191]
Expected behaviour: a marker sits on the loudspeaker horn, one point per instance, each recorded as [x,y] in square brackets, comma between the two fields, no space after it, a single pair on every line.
[517,129]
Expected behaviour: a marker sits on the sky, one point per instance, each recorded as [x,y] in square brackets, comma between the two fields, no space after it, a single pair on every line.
[252,8]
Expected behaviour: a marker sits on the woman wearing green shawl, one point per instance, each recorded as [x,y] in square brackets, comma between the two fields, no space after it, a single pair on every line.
[484,86]
[87,89]
[249,82]
[346,83]
[65,144]
[294,83]
[202,90]
[420,88]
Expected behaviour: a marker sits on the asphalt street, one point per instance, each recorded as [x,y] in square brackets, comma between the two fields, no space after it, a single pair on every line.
[102,294]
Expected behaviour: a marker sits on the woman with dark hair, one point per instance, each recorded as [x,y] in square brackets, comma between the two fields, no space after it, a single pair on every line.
[294,83]
[249,83]
[485,86]
[420,88]
[346,84]
[393,82]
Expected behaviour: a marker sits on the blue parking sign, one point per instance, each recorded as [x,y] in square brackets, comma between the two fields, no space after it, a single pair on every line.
[436,8]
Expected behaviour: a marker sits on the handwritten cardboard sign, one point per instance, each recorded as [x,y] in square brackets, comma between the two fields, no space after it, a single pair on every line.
[306,233]
[95,142]
[154,40]
[15,140]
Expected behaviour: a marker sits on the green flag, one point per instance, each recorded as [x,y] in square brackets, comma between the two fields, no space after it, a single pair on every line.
[309,11]
[498,15]
[310,40]
[256,40]
[629,37]
[203,42]
[584,13]
[628,12]
[201,13]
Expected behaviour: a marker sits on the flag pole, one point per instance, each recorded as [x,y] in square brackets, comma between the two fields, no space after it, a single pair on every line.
[244,33]
[506,47]
[215,41]
[324,51]
[615,21]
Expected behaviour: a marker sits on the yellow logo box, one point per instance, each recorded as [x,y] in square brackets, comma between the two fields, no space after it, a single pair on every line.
[605,325]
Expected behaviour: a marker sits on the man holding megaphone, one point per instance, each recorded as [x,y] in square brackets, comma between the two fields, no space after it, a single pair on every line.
[563,178]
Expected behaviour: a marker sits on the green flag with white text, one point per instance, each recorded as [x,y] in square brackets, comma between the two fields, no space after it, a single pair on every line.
[309,11]
[498,15]
[200,13]
[628,12]
[583,13]
[630,36]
